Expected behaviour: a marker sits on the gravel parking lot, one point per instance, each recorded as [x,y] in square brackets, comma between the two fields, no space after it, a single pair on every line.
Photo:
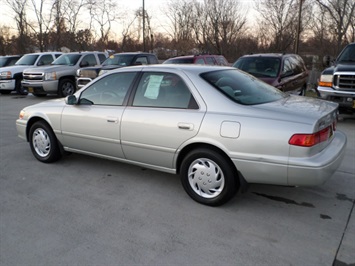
[88,211]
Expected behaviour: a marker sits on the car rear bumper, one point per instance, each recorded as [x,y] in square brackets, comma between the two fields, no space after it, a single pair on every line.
[318,169]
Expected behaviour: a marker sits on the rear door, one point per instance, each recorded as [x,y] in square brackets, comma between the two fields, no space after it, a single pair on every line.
[162,115]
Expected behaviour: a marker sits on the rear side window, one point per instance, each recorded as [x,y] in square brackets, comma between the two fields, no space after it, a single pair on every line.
[242,88]
[102,58]
[163,90]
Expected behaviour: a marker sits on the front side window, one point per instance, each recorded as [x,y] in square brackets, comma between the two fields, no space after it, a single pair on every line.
[163,90]
[45,60]
[90,59]
[141,60]
[110,90]
[242,88]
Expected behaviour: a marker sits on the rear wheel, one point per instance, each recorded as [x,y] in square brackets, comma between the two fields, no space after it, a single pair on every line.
[66,87]
[43,143]
[208,177]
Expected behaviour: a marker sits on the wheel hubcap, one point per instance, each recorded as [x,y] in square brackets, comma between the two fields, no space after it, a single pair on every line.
[68,89]
[41,142]
[206,178]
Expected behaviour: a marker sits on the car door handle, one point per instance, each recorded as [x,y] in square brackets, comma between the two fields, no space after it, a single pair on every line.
[112,120]
[186,126]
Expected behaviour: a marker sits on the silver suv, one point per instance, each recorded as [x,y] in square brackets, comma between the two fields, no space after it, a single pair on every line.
[11,76]
[59,77]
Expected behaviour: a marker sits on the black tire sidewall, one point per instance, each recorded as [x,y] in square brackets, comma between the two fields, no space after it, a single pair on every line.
[60,87]
[54,153]
[231,181]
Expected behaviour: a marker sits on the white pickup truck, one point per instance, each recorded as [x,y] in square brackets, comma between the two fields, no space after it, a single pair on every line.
[11,76]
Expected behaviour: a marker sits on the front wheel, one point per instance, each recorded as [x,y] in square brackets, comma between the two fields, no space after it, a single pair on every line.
[66,88]
[208,177]
[43,143]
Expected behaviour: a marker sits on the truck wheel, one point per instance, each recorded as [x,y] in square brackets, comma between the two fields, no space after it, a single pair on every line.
[19,89]
[66,87]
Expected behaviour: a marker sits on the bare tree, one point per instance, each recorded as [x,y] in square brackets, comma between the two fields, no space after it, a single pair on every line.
[20,17]
[278,23]
[102,13]
[341,13]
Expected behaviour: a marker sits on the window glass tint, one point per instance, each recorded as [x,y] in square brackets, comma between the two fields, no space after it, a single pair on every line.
[119,59]
[163,90]
[261,67]
[287,67]
[27,60]
[242,88]
[179,61]
[142,60]
[102,58]
[210,61]
[110,90]
[348,54]
[200,61]
[45,59]
[90,58]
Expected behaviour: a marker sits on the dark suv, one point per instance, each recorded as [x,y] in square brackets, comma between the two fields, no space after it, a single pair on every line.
[286,72]
[203,59]
[337,82]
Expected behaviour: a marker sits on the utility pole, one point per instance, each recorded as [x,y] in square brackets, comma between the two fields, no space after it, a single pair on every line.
[298,27]
[143,27]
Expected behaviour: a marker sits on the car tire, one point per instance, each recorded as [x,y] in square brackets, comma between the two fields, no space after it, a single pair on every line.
[19,89]
[303,90]
[208,177]
[66,87]
[44,144]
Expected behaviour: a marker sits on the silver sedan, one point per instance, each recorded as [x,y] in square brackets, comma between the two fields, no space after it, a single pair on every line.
[217,127]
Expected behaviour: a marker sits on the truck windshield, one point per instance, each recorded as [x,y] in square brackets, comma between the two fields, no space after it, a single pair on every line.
[27,60]
[67,59]
[348,54]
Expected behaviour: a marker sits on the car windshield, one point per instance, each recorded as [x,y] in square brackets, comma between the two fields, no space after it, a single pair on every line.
[242,88]
[179,61]
[67,59]
[27,60]
[348,54]
[120,60]
[3,61]
[261,67]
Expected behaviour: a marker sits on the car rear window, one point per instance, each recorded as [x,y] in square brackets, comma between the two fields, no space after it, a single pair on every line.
[180,61]
[261,67]
[242,88]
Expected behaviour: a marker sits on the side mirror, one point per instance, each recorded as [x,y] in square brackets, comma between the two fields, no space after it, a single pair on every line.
[71,100]
[40,63]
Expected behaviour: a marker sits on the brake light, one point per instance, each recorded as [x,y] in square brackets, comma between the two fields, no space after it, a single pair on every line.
[309,140]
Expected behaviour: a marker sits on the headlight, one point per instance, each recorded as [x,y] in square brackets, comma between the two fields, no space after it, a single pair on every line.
[22,114]
[325,80]
[103,71]
[5,75]
[50,76]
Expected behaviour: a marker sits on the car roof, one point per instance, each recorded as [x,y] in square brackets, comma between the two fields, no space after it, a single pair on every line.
[180,67]
[268,55]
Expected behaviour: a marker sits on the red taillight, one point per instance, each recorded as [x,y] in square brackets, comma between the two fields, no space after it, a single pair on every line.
[309,140]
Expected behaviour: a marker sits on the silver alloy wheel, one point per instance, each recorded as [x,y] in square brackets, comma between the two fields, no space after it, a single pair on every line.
[41,142]
[206,178]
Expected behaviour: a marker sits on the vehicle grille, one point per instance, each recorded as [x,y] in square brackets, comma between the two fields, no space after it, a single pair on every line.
[344,82]
[33,76]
